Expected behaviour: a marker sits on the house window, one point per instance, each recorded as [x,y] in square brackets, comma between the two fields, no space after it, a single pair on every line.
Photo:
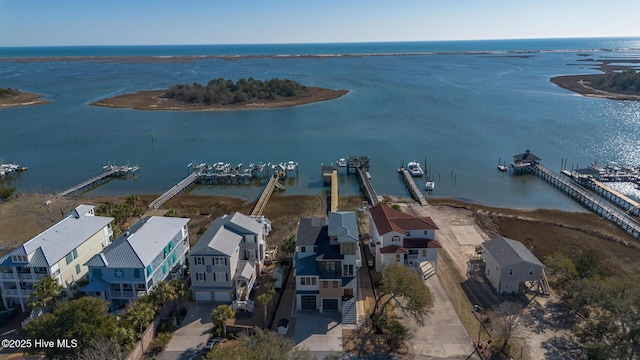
[307,280]
[97,273]
[315,248]
[140,287]
[199,260]
[426,232]
[219,260]
[395,239]
[149,270]
[220,276]
[200,276]
[78,269]
[397,257]
[71,256]
[424,252]
[325,284]
[510,272]
[303,249]
[347,270]
[335,284]
[348,249]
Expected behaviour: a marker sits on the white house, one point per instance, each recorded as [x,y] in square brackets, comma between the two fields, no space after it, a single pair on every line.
[60,252]
[148,253]
[508,264]
[227,259]
[402,238]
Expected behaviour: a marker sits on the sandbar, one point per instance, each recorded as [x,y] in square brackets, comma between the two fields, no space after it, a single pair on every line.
[22,99]
[152,100]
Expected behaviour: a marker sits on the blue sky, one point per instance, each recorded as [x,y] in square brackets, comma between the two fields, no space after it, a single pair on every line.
[151,22]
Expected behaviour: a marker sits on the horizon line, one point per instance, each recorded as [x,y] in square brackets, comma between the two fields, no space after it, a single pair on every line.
[328,43]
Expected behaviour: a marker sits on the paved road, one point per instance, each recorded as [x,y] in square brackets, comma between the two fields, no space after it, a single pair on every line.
[320,333]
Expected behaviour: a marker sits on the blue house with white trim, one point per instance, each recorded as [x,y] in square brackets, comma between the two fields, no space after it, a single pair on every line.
[148,253]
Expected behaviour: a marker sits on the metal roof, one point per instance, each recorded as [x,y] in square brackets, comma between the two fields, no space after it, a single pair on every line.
[311,231]
[248,270]
[343,225]
[225,233]
[60,239]
[508,252]
[138,249]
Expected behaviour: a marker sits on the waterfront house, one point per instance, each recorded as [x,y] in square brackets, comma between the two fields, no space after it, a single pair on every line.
[59,252]
[403,238]
[508,264]
[326,263]
[228,258]
[153,250]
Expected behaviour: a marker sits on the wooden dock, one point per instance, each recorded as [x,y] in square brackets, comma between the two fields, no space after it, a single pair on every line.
[414,190]
[266,194]
[365,180]
[111,171]
[334,191]
[176,189]
[592,202]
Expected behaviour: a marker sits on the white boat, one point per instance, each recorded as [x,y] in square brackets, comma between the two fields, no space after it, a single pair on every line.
[342,162]
[502,167]
[292,166]
[430,185]
[414,168]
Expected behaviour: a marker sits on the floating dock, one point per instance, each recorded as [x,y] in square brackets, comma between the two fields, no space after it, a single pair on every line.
[414,190]
[10,168]
[266,193]
[110,171]
[589,200]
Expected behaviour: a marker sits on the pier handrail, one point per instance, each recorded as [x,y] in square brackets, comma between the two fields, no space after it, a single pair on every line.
[266,194]
[113,170]
[184,183]
[371,193]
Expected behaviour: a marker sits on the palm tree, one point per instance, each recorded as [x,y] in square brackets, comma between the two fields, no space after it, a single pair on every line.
[163,293]
[47,292]
[220,315]
[140,314]
[180,289]
[264,299]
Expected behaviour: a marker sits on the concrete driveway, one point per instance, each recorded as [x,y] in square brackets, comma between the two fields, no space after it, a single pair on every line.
[321,334]
[192,335]
[442,335]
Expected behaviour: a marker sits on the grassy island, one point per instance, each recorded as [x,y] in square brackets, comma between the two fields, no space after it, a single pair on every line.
[617,82]
[13,97]
[222,94]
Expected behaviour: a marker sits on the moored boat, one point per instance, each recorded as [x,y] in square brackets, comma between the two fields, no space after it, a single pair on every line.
[342,162]
[414,168]
[430,185]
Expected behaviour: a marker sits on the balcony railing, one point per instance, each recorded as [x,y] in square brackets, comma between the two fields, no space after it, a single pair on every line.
[120,294]
[7,276]
[40,276]
[246,305]
[26,291]
[11,291]
[25,276]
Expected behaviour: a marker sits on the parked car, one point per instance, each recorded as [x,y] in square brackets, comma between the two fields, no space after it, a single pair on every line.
[211,343]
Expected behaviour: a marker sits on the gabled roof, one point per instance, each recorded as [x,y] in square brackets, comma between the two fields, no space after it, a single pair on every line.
[526,156]
[312,231]
[389,220]
[508,252]
[137,248]
[410,243]
[247,270]
[60,239]
[343,225]
[225,233]
[393,249]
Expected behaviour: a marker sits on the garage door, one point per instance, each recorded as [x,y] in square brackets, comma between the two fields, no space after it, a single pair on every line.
[223,296]
[308,302]
[203,296]
[330,305]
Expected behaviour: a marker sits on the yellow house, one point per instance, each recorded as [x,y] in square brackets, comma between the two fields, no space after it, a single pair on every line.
[60,252]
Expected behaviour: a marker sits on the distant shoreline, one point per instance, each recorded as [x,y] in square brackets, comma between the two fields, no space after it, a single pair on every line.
[22,99]
[151,100]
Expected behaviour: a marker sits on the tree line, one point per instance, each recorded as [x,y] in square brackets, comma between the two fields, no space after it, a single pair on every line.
[226,92]
[627,82]
[6,92]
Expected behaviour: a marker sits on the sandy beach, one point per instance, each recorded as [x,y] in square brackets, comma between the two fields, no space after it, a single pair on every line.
[23,99]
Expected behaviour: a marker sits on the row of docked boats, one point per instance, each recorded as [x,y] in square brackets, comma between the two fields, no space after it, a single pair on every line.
[10,168]
[414,168]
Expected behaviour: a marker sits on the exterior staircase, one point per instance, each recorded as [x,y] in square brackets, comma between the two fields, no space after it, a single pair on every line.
[426,270]
[349,311]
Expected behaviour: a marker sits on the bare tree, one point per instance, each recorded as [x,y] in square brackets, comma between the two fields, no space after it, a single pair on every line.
[508,318]
[100,348]
[46,209]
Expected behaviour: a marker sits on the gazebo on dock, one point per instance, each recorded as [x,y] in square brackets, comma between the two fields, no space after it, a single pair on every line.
[525,161]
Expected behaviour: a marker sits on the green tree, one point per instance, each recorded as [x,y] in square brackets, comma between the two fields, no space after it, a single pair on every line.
[262,345]
[264,299]
[133,200]
[46,293]
[180,288]
[163,293]
[139,314]
[288,245]
[220,315]
[562,268]
[402,287]
[83,319]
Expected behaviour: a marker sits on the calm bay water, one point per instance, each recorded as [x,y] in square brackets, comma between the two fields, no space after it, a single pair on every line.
[440,101]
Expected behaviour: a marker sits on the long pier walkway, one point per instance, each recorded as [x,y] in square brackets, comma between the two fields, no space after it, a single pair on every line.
[600,207]
[334,191]
[176,189]
[414,190]
[110,171]
[266,194]
[370,193]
